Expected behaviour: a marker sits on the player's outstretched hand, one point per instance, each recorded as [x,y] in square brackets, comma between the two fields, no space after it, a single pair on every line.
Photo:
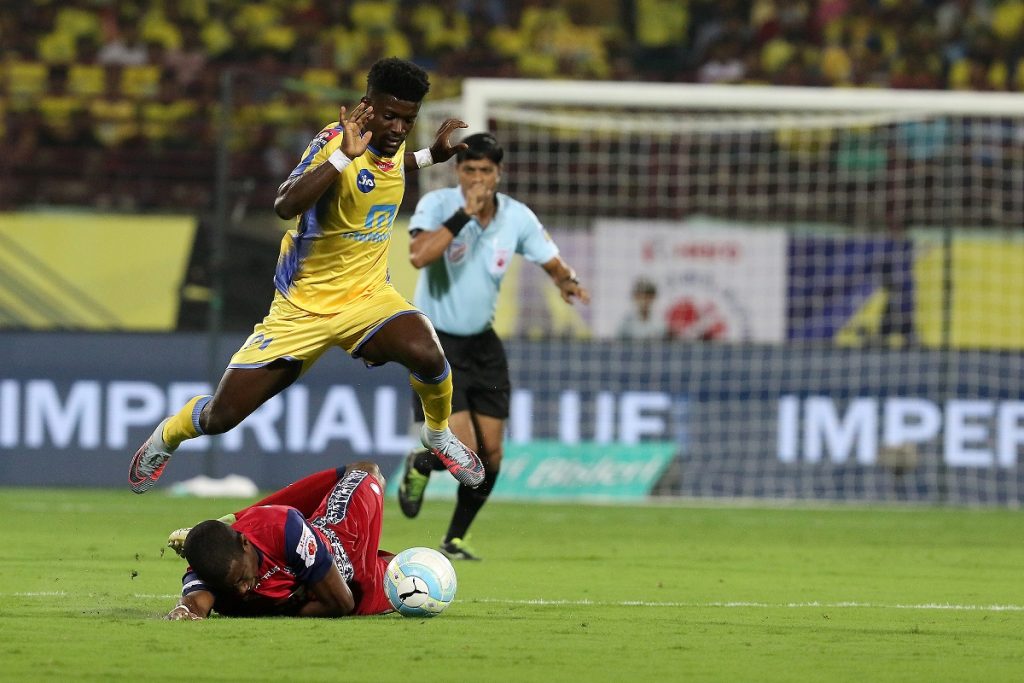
[182,613]
[571,289]
[355,141]
[443,149]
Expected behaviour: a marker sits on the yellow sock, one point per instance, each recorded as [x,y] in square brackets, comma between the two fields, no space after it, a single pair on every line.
[184,424]
[436,398]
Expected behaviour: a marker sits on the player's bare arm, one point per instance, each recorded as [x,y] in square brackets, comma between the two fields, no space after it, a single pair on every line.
[192,607]
[442,149]
[298,194]
[333,597]
[565,279]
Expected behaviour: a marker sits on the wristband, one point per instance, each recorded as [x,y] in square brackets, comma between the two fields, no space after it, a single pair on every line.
[338,160]
[424,157]
[571,278]
[179,608]
[457,221]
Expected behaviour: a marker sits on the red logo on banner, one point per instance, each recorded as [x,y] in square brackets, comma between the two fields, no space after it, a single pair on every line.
[700,320]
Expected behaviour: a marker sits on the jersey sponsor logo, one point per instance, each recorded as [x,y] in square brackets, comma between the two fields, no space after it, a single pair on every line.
[377,226]
[385,165]
[258,340]
[456,252]
[267,574]
[323,137]
[365,181]
[307,546]
[380,216]
[501,260]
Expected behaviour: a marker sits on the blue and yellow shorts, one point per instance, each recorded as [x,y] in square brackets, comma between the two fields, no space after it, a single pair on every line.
[292,333]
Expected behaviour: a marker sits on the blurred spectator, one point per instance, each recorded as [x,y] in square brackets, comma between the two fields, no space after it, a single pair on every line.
[444,27]
[114,116]
[187,61]
[158,51]
[725,63]
[264,30]
[26,79]
[59,108]
[640,322]
[659,30]
[125,48]
[161,25]
[19,146]
[484,55]
[86,77]
[170,119]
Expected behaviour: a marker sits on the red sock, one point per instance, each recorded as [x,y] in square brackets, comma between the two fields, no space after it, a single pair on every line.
[306,494]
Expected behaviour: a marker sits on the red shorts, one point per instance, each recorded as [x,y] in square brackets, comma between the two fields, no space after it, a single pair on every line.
[351,514]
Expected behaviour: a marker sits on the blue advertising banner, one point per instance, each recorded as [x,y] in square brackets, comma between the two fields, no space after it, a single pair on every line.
[802,421]
[75,407]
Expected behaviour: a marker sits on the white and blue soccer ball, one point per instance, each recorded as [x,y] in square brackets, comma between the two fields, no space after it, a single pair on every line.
[420,582]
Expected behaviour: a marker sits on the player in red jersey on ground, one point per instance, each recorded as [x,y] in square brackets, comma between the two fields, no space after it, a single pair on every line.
[307,550]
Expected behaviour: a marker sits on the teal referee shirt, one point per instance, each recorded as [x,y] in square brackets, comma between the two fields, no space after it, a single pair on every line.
[459,292]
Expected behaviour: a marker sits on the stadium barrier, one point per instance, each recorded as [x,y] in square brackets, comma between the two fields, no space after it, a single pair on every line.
[73,407]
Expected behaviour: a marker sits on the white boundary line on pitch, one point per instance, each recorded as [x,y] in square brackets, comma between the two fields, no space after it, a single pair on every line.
[757,605]
[643,603]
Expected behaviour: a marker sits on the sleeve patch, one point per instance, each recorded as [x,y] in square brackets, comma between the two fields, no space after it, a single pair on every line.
[306,549]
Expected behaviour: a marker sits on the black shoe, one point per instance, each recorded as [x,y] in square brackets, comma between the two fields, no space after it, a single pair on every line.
[458,549]
[410,491]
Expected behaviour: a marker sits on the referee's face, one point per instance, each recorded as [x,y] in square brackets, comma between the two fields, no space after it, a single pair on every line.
[478,174]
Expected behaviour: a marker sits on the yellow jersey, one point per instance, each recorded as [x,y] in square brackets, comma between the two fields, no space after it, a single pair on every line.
[338,250]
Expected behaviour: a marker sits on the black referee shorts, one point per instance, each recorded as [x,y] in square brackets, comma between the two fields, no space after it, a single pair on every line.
[479,374]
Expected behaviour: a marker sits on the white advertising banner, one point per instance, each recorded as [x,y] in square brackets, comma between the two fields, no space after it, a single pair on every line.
[702,279]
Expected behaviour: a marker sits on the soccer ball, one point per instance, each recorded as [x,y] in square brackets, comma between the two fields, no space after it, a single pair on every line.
[420,582]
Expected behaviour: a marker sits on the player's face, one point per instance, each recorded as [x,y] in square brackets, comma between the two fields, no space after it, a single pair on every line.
[243,576]
[391,122]
[478,173]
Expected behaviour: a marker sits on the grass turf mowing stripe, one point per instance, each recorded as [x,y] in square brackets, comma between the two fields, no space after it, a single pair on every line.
[544,602]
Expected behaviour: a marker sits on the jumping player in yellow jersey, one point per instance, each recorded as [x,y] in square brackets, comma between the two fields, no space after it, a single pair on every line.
[331,279]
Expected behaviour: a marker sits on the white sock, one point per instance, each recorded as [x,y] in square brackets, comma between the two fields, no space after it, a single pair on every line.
[434,438]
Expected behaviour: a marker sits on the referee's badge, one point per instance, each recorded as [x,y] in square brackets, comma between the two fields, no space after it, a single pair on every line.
[499,264]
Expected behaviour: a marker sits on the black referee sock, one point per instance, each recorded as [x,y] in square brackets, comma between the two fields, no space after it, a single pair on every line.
[468,504]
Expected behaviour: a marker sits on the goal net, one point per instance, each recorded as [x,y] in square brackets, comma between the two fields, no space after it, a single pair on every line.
[814,294]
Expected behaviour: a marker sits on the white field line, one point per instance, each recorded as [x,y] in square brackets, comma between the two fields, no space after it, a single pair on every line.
[644,603]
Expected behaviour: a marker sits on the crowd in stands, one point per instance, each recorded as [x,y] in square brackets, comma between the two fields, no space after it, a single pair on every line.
[116,103]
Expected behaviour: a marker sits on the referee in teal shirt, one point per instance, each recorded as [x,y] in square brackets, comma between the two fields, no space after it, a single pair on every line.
[462,241]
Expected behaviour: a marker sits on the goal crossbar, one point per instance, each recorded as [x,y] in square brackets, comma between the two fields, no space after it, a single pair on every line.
[478,94]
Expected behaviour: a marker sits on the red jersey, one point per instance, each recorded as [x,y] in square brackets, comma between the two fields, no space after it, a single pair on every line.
[292,554]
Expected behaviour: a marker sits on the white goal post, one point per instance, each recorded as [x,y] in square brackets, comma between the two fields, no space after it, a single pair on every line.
[480,95]
[838,280]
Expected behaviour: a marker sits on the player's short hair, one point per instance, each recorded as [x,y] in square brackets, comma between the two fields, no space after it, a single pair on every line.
[210,548]
[399,78]
[481,146]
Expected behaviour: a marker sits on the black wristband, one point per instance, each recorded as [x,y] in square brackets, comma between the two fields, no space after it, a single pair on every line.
[457,222]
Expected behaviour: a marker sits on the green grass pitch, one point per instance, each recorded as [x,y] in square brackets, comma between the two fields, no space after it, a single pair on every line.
[566,593]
